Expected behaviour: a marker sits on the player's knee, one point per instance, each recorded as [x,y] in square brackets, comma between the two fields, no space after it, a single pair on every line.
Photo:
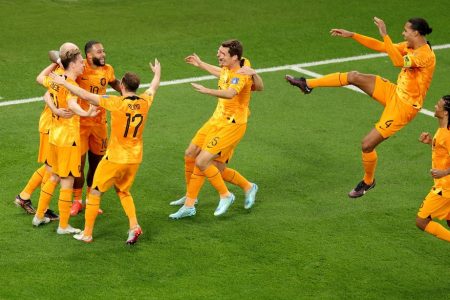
[122,194]
[367,146]
[353,76]
[220,165]
[54,178]
[191,151]
[422,223]
[202,162]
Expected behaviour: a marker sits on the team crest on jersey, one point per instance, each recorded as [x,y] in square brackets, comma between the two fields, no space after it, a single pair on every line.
[235,80]
[407,61]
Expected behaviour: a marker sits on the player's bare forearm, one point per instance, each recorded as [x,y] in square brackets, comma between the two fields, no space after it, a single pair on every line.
[195,60]
[224,94]
[154,85]
[115,85]
[45,72]
[436,173]
[76,90]
[211,69]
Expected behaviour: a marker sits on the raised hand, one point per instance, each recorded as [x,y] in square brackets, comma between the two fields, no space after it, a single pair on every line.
[156,68]
[381,26]
[193,59]
[425,138]
[199,88]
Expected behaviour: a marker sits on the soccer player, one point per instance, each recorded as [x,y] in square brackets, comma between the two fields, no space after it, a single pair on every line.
[124,153]
[64,139]
[214,144]
[194,148]
[437,202]
[97,75]
[401,101]
[41,175]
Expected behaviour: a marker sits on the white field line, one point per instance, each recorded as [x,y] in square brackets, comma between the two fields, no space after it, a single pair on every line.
[264,70]
[350,87]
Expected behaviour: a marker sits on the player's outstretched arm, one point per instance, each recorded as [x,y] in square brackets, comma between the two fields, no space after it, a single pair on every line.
[154,85]
[225,94]
[76,108]
[341,33]
[194,60]
[76,90]
[258,84]
[115,85]
[45,72]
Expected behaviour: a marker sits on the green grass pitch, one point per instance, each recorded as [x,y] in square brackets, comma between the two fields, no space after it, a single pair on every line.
[304,238]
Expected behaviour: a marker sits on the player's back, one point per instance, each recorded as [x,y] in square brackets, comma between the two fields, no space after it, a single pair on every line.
[128,119]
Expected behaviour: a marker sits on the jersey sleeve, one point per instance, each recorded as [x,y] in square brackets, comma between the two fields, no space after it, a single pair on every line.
[418,59]
[238,82]
[396,52]
[111,76]
[47,81]
[111,103]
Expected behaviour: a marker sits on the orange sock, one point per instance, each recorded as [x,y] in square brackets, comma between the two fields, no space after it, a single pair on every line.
[45,197]
[189,164]
[194,187]
[370,164]
[330,80]
[130,209]
[46,177]
[438,231]
[92,205]
[234,177]
[33,183]
[64,203]
[77,193]
[215,178]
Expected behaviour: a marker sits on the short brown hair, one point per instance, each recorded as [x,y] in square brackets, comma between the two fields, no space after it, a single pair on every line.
[131,81]
[235,48]
[69,56]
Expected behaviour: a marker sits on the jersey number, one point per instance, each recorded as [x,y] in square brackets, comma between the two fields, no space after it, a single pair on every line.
[55,101]
[94,89]
[133,119]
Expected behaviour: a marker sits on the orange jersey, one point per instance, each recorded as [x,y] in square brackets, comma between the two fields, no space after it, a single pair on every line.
[63,132]
[234,110]
[416,74]
[94,81]
[417,67]
[441,156]
[128,118]
[45,120]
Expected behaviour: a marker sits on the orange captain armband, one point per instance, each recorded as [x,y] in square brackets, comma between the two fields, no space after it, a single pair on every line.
[407,61]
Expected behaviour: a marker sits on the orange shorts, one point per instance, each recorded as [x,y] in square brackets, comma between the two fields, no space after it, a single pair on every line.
[199,138]
[396,113]
[222,140]
[44,146]
[65,161]
[434,205]
[108,174]
[94,138]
